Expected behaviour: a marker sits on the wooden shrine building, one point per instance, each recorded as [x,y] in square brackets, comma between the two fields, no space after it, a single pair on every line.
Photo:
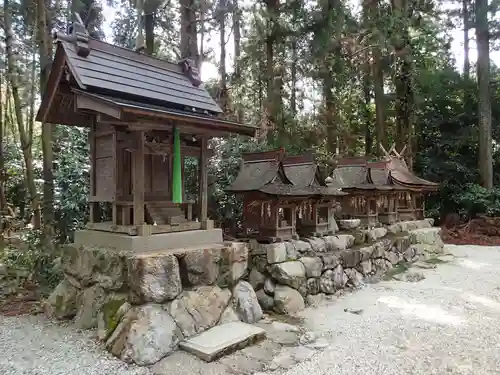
[382,191]
[144,116]
[411,202]
[269,198]
[283,196]
[315,216]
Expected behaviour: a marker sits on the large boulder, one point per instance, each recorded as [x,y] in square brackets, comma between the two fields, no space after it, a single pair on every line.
[330,260]
[229,315]
[112,311]
[269,286]
[339,277]
[349,224]
[289,273]
[333,280]
[266,301]
[313,285]
[197,310]
[427,236]
[89,302]
[256,279]
[401,243]
[287,300]
[291,252]
[246,303]
[365,267]
[376,233]
[259,262]
[313,266]
[318,245]
[145,335]
[355,277]
[351,258]
[380,266]
[61,303]
[200,266]
[276,252]
[91,265]
[154,278]
[381,246]
[394,228]
[302,247]
[234,264]
[366,252]
[326,282]
[339,242]
[393,257]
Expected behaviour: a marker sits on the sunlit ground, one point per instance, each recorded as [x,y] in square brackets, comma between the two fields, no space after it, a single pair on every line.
[448,323]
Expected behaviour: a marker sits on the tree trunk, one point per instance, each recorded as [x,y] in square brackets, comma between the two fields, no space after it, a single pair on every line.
[466,21]
[378,89]
[467,89]
[367,96]
[149,30]
[189,35]
[484,98]
[372,11]
[293,84]
[403,79]
[223,95]
[273,100]
[45,56]
[3,174]
[329,30]
[26,142]
[237,50]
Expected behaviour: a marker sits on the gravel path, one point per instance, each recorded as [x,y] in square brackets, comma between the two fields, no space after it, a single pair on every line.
[447,323]
[31,345]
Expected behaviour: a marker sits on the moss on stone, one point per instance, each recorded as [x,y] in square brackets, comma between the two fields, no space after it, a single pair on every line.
[109,310]
[59,304]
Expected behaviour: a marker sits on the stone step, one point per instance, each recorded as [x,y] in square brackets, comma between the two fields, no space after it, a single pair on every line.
[223,339]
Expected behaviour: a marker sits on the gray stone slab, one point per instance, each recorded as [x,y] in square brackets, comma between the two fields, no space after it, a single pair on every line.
[155,242]
[222,339]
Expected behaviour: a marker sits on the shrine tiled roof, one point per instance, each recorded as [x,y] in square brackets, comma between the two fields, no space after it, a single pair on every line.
[257,170]
[271,173]
[357,173]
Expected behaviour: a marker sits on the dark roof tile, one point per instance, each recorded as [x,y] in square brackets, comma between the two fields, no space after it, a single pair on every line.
[126,72]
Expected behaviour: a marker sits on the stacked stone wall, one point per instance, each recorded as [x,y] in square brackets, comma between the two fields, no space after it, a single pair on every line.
[143,305]
[286,274]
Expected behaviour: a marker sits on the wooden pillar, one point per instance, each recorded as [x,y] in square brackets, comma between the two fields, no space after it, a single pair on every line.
[138,178]
[114,156]
[94,206]
[203,179]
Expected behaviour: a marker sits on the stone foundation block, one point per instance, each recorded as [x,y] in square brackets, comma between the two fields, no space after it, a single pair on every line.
[154,278]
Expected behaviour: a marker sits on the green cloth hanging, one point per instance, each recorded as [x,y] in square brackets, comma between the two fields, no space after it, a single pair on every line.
[177,169]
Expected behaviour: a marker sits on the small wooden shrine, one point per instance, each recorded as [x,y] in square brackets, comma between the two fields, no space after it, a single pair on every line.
[384,191]
[411,202]
[315,216]
[269,197]
[283,196]
[144,116]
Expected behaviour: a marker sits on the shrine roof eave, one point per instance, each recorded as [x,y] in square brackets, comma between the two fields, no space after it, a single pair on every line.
[160,114]
[373,187]
[423,188]
[291,191]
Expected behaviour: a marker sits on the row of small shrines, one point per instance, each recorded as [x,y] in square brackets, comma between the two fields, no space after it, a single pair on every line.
[285,197]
